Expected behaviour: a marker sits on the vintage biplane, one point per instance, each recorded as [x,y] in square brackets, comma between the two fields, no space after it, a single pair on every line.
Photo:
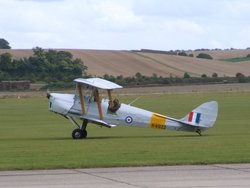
[88,106]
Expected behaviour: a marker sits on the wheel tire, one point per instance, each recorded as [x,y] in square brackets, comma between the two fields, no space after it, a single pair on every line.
[77,134]
[84,133]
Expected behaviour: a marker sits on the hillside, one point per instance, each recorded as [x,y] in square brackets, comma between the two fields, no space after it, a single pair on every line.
[128,63]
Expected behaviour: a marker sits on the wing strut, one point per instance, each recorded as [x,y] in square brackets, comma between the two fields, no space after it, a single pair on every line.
[110,98]
[81,97]
[97,96]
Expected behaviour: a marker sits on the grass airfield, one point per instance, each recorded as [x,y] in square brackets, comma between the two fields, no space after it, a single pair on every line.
[31,137]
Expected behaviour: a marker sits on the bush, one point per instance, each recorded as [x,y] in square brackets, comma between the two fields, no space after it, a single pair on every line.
[204,56]
[215,75]
[248,55]
[182,54]
[186,75]
[204,76]
[238,75]
[241,78]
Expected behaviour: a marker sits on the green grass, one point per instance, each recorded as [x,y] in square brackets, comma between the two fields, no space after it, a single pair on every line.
[33,138]
[236,59]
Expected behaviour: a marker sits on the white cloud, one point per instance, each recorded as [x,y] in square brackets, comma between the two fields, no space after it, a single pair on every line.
[112,12]
[131,24]
[216,44]
[238,7]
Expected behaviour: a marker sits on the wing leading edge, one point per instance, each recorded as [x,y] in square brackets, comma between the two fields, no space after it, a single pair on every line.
[98,83]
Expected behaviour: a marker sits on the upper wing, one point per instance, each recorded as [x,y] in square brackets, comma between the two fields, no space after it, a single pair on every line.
[98,83]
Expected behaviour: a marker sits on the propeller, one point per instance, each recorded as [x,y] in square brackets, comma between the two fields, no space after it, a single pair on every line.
[48,93]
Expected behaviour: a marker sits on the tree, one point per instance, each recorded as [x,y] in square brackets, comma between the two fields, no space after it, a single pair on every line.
[53,66]
[4,44]
[6,62]
[241,77]
[4,76]
[214,75]
[182,53]
[204,56]
[238,75]
[45,65]
[186,75]
[138,76]
[38,52]
[204,76]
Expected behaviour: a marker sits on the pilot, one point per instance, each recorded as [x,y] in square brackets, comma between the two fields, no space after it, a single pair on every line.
[114,106]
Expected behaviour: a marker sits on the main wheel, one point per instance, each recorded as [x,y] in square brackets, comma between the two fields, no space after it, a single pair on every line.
[77,134]
[84,133]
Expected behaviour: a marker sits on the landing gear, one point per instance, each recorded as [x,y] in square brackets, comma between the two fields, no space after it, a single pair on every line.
[80,132]
[198,131]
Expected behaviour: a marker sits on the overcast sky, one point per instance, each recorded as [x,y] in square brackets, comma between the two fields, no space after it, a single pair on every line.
[126,24]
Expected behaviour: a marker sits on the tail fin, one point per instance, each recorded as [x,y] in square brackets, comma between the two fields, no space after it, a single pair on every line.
[203,116]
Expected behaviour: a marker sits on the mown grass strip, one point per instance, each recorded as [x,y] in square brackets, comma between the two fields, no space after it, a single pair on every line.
[33,138]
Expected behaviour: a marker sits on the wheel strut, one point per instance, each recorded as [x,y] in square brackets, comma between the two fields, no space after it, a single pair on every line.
[84,124]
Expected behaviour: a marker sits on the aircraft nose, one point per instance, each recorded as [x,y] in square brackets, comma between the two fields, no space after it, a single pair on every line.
[48,95]
[60,103]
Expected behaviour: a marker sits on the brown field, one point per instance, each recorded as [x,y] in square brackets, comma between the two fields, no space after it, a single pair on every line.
[127,63]
[226,54]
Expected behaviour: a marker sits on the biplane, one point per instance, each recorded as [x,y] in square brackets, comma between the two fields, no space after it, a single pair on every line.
[88,106]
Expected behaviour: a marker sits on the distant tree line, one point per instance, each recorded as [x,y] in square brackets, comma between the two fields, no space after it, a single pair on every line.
[59,68]
[140,80]
[44,66]
[176,52]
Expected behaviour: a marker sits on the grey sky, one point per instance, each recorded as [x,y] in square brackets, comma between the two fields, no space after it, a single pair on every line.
[126,24]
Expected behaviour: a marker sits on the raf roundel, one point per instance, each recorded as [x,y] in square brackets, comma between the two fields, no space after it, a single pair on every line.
[128,119]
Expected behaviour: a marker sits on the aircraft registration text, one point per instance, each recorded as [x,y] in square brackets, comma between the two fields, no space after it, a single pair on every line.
[157,122]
